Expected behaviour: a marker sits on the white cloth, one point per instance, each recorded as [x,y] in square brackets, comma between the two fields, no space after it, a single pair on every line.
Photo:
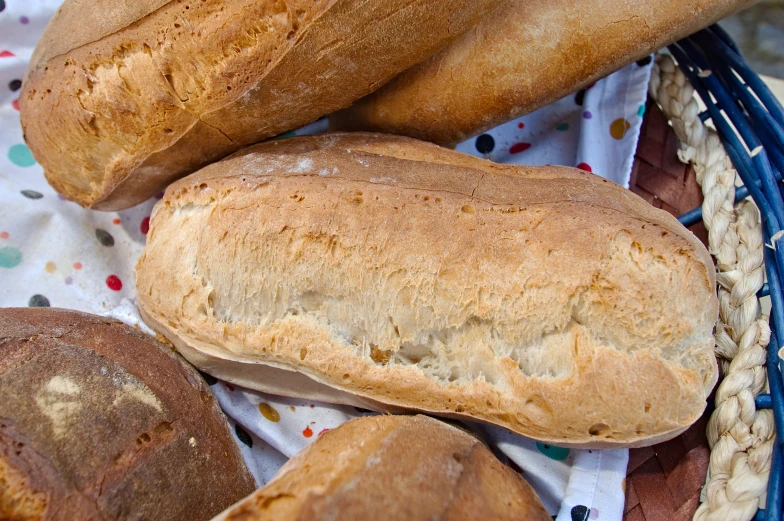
[53,252]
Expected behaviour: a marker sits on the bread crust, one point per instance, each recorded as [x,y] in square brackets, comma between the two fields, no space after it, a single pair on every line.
[546,300]
[99,421]
[390,468]
[528,53]
[122,100]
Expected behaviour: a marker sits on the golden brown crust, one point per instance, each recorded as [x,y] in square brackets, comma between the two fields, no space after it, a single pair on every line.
[414,277]
[87,25]
[98,421]
[528,53]
[390,468]
[18,501]
[123,100]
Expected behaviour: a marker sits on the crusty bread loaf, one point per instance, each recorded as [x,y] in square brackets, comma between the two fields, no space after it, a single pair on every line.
[99,421]
[381,468]
[528,53]
[121,99]
[393,273]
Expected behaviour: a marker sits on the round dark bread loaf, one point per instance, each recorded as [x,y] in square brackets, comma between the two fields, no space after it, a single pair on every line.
[390,468]
[99,421]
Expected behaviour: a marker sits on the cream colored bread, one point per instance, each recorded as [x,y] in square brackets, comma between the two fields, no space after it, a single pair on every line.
[395,274]
[392,468]
[121,99]
[527,54]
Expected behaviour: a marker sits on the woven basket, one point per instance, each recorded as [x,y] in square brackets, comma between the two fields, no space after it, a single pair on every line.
[664,481]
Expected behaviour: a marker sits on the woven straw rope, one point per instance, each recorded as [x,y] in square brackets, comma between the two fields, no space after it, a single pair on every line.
[740,437]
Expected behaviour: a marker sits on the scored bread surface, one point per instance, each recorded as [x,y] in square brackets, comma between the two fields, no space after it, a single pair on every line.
[398,274]
[119,101]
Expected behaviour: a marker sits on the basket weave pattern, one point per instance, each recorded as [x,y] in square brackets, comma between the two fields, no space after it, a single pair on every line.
[658,176]
[664,481]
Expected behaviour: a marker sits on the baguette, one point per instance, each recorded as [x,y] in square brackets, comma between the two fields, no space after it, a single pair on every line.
[392,468]
[394,274]
[121,100]
[528,53]
[100,421]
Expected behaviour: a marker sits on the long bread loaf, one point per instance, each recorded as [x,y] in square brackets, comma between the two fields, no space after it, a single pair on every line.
[393,274]
[528,53]
[121,99]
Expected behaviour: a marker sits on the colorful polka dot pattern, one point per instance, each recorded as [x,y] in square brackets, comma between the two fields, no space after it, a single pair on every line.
[114,283]
[580,513]
[10,257]
[243,436]
[32,194]
[56,254]
[485,144]
[553,452]
[269,412]
[619,127]
[585,166]
[519,147]
[20,155]
[104,237]
[38,301]
[144,227]
[603,133]
[12,254]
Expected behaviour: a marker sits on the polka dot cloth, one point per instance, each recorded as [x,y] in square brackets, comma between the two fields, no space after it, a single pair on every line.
[55,253]
[594,129]
[20,155]
[553,452]
[579,513]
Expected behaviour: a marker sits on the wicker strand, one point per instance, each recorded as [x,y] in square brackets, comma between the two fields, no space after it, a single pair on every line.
[740,437]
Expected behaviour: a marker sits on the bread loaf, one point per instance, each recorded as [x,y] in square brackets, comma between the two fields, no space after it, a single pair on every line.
[527,54]
[392,468]
[395,274]
[121,100]
[98,421]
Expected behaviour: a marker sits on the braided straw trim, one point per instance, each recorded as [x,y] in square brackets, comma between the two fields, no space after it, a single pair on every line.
[740,437]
